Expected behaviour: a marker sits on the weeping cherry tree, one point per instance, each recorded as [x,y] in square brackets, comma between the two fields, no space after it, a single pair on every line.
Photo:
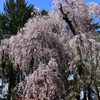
[49,49]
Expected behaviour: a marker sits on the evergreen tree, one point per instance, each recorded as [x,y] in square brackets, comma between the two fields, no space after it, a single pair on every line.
[16,13]
[96,29]
[43,12]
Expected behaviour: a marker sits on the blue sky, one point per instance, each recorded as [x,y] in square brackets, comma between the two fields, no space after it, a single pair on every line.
[42,4]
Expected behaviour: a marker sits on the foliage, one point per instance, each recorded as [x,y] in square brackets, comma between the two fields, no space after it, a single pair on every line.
[16,14]
[43,12]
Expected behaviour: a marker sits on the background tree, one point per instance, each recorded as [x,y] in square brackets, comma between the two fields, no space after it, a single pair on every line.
[18,13]
[43,12]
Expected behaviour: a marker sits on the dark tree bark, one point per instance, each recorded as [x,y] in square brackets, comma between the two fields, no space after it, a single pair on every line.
[97,91]
[9,89]
[84,94]
[89,92]
[68,21]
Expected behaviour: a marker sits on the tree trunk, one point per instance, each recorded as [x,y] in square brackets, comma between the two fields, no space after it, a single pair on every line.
[89,93]
[97,91]
[84,94]
[10,83]
[9,89]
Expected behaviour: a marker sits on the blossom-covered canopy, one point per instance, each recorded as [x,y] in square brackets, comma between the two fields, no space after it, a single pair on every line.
[48,47]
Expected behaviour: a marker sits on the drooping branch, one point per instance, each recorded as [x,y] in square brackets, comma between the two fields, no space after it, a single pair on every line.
[65,17]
